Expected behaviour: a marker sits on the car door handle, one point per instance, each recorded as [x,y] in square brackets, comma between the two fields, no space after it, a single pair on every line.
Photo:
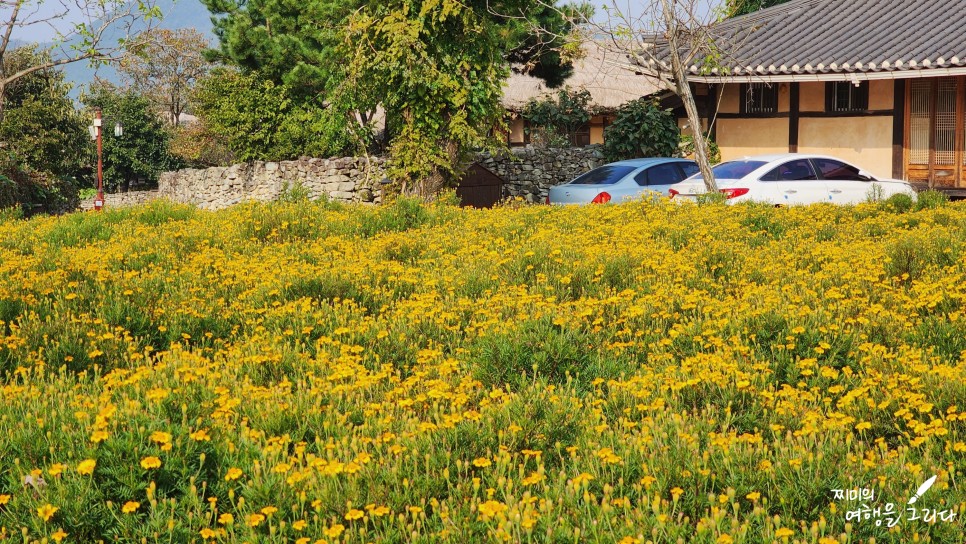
[791,191]
[836,191]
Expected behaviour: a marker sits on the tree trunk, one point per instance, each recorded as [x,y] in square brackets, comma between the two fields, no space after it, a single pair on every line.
[687,97]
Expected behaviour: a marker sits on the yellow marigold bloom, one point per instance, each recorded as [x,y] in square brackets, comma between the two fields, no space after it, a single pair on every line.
[299,525]
[86,466]
[784,532]
[753,496]
[200,435]
[724,539]
[414,510]
[676,492]
[481,462]
[354,514]
[303,540]
[47,511]
[863,426]
[130,506]
[380,511]
[581,479]
[98,436]
[233,474]
[490,509]
[269,510]
[59,535]
[150,462]
[56,469]
[4,499]
[226,519]
[254,519]
[160,437]
[533,479]
[335,530]
[207,533]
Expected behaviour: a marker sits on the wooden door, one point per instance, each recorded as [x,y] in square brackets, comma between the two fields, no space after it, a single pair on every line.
[935,140]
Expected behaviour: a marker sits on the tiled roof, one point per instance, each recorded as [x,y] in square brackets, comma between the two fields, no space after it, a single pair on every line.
[842,39]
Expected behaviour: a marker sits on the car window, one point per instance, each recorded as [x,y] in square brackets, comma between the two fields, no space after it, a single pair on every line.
[797,170]
[604,175]
[689,168]
[732,170]
[661,174]
[837,170]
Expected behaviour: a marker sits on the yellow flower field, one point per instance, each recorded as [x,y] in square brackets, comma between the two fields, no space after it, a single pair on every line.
[309,372]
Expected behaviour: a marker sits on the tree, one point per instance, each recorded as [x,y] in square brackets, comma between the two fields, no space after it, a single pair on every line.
[258,119]
[563,115]
[164,66]
[664,38]
[438,68]
[96,32]
[743,7]
[141,153]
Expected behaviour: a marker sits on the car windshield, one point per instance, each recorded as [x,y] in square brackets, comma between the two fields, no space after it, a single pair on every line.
[731,170]
[605,175]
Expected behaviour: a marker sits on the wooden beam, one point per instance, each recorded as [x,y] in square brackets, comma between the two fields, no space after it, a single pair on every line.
[712,111]
[898,128]
[794,107]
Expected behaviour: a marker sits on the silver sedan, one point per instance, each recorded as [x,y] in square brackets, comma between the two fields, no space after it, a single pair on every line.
[622,181]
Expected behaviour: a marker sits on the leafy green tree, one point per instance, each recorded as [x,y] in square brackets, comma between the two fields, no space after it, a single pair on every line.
[141,153]
[258,119]
[641,129]
[40,125]
[743,7]
[42,138]
[563,115]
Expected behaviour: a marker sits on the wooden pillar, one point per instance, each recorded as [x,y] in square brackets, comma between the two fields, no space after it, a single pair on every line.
[712,111]
[794,101]
[898,128]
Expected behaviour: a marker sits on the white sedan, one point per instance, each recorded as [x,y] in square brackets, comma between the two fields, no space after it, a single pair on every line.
[793,178]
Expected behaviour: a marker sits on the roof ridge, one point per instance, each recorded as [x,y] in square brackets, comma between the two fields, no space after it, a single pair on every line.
[772,11]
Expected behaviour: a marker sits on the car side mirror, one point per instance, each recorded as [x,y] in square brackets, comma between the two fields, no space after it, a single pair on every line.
[865,176]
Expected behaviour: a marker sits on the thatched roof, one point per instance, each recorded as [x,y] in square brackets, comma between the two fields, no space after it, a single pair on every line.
[608,76]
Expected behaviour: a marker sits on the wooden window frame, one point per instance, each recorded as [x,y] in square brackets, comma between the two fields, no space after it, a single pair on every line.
[858,97]
[769,104]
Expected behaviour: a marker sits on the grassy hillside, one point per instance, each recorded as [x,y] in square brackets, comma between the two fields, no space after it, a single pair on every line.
[310,372]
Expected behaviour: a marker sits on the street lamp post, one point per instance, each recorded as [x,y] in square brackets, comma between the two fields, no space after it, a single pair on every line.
[95,131]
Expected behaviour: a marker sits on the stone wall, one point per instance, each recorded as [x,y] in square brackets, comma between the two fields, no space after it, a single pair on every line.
[527,172]
[350,179]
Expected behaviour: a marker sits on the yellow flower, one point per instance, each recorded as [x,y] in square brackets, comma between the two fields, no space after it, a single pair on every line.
[150,462]
[233,474]
[56,469]
[207,533]
[47,511]
[254,519]
[98,436]
[676,492]
[581,479]
[86,466]
[59,535]
[4,499]
[354,514]
[481,462]
[724,539]
[491,509]
[269,510]
[200,435]
[226,519]
[334,531]
[414,510]
[863,426]
[784,532]
[130,506]
[160,437]
[299,525]
[379,511]
[753,496]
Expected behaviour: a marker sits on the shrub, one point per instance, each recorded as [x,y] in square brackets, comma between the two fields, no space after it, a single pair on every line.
[898,203]
[930,199]
[641,129]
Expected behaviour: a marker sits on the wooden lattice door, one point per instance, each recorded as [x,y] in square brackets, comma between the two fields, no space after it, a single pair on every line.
[935,143]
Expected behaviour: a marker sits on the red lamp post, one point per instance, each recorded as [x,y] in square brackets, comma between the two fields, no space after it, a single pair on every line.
[95,131]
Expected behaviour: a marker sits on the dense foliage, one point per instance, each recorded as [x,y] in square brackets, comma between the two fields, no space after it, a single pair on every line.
[641,129]
[141,153]
[435,67]
[560,116]
[42,138]
[257,119]
[303,372]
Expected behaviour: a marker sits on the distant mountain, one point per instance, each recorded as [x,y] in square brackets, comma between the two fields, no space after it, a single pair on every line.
[176,14]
